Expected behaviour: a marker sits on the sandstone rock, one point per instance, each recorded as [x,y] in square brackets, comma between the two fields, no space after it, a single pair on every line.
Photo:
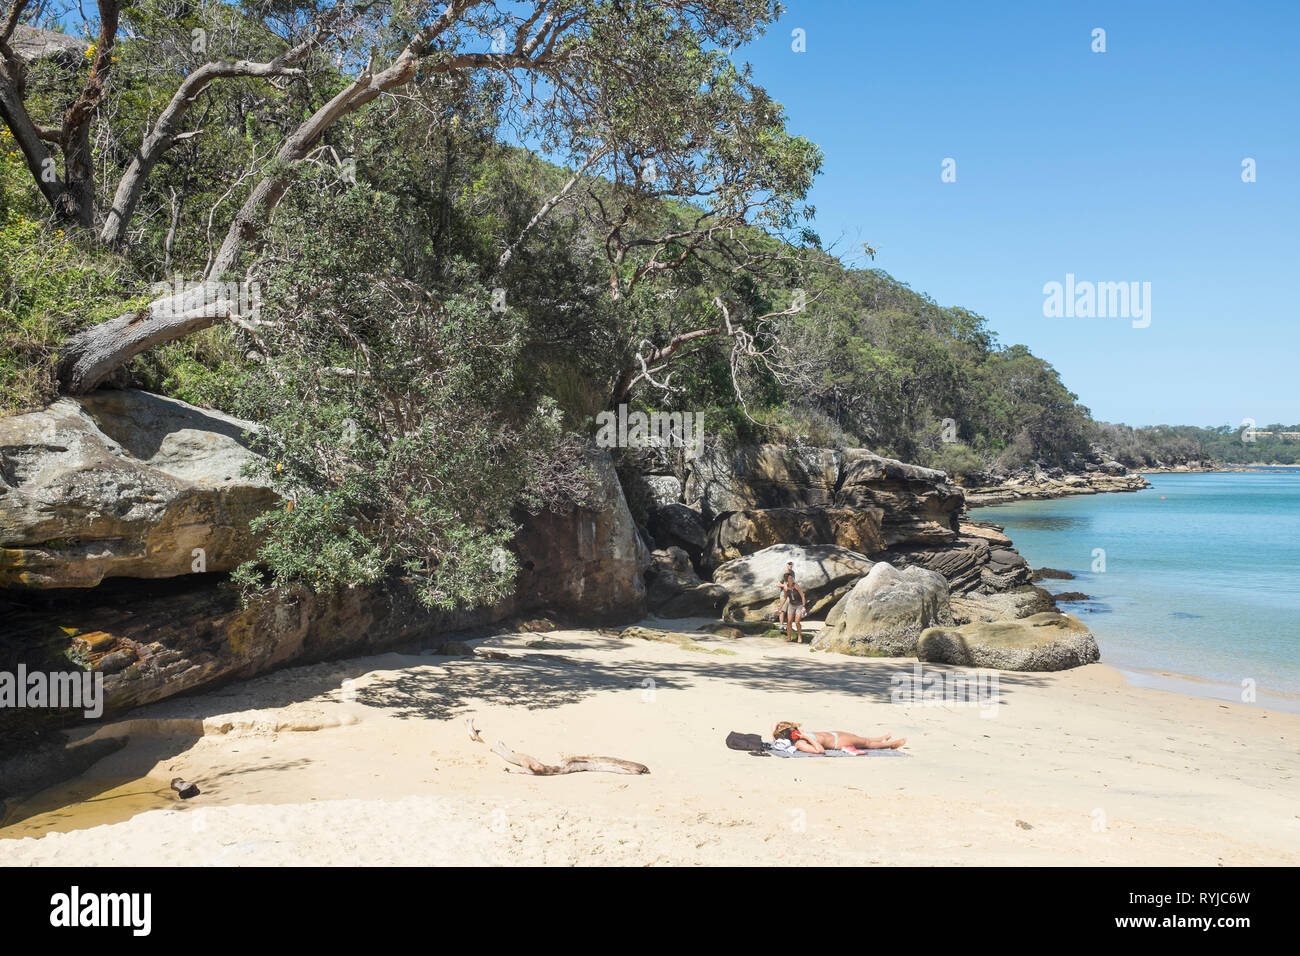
[961,562]
[886,612]
[1044,642]
[675,525]
[917,504]
[992,533]
[739,533]
[1005,569]
[588,564]
[123,484]
[761,476]
[1015,603]
[673,589]
[819,569]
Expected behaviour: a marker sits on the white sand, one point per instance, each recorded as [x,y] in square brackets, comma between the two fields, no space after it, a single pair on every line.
[1071,768]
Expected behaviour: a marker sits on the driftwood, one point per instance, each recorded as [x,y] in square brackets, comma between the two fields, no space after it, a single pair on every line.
[522,763]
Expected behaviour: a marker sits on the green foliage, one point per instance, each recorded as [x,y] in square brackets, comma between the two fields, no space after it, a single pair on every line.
[51,284]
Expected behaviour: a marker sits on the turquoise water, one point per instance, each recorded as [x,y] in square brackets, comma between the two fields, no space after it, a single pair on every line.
[1200,572]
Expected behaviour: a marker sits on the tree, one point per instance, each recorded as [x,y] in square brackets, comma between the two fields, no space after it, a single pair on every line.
[638,94]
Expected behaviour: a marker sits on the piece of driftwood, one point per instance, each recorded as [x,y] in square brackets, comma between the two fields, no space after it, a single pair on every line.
[185,788]
[526,764]
[522,763]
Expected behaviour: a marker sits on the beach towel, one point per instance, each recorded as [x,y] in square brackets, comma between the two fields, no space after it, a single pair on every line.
[757,747]
[792,752]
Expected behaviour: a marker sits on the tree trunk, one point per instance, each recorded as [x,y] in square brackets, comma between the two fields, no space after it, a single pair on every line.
[94,354]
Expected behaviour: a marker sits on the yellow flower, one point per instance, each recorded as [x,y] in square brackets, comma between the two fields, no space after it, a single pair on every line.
[90,51]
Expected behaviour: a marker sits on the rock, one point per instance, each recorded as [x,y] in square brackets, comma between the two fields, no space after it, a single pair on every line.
[886,612]
[588,564]
[677,526]
[739,533]
[673,589]
[1005,570]
[704,600]
[820,570]
[158,637]
[723,630]
[1009,605]
[664,489]
[761,476]
[917,504]
[455,649]
[123,484]
[1043,573]
[992,533]
[1070,597]
[1050,641]
[961,562]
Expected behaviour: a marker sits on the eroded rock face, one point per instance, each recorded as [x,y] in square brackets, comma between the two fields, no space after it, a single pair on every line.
[119,486]
[886,612]
[123,484]
[1049,641]
[739,533]
[919,504]
[761,476]
[825,572]
[587,565]
[675,525]
[673,589]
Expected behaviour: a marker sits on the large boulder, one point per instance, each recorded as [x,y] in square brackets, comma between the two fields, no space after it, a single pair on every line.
[588,564]
[673,589]
[123,484]
[825,572]
[1023,601]
[739,533]
[677,526]
[1049,641]
[918,504]
[886,612]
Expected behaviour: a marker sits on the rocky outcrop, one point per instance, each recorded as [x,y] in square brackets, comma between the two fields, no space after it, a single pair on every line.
[761,476]
[677,526]
[673,589]
[739,533]
[1033,486]
[1050,641]
[120,486]
[123,484]
[1018,602]
[885,613]
[825,572]
[918,504]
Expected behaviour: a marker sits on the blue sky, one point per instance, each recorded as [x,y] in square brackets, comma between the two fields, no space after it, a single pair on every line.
[1119,166]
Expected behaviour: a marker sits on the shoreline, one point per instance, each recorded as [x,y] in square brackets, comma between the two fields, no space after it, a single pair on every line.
[368,762]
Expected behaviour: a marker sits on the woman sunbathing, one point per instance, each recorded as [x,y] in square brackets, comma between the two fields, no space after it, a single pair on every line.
[820,741]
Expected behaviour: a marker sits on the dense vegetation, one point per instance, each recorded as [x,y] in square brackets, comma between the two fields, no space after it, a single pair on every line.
[436,315]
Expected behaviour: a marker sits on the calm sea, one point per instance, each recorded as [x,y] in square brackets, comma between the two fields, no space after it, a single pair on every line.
[1199,575]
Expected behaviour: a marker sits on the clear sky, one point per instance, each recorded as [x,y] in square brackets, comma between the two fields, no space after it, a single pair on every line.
[1122,166]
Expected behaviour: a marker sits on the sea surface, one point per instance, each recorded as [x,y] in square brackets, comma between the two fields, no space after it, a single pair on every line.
[1197,576]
